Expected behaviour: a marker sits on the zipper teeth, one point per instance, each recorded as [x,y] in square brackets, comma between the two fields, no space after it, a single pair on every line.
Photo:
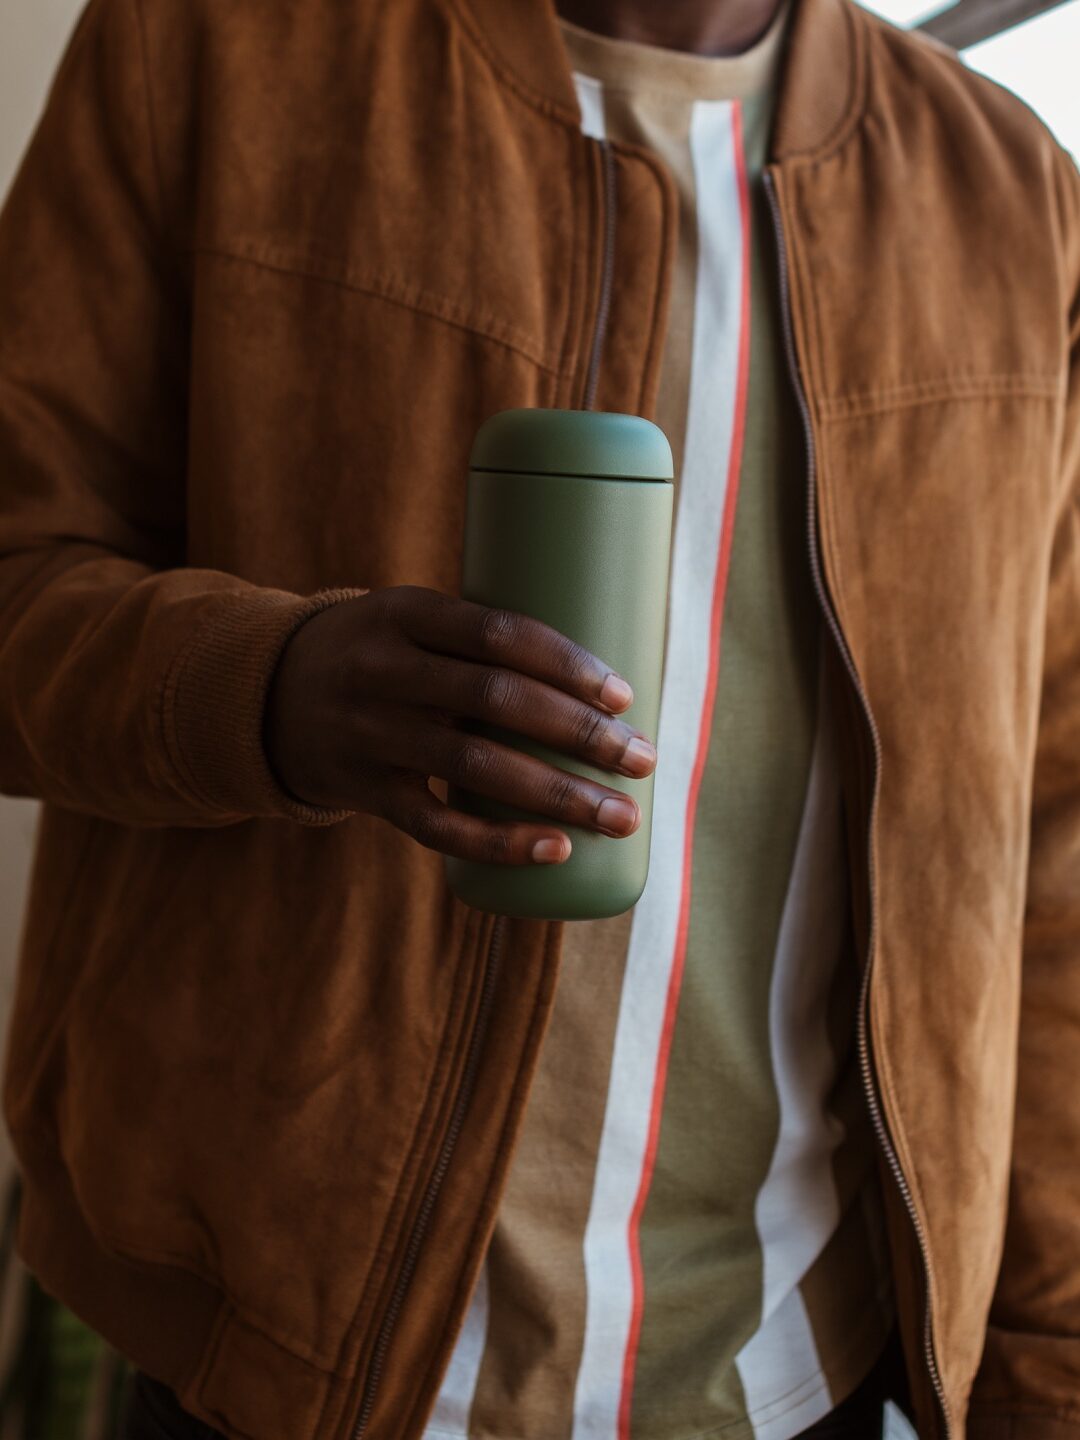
[461,1102]
[423,1218]
[861,1031]
[607,274]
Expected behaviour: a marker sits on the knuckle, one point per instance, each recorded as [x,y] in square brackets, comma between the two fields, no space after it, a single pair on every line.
[498,846]
[471,761]
[396,598]
[406,603]
[590,727]
[574,659]
[394,609]
[498,630]
[497,691]
[425,825]
[563,795]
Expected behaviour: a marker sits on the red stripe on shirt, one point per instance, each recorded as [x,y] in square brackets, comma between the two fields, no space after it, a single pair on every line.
[704,732]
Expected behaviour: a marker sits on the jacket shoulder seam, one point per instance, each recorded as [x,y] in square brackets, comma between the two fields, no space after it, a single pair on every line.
[850,121]
[944,60]
[533,98]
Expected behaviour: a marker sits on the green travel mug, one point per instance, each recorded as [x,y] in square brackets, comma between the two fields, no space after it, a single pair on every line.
[568,519]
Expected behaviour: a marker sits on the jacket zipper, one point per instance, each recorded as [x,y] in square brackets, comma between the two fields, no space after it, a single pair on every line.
[494,954]
[431,1194]
[607,273]
[862,1033]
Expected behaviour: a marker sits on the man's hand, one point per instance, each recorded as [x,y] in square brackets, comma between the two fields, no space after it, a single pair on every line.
[365,703]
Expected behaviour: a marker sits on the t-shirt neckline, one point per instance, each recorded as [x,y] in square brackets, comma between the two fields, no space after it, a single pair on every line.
[635,66]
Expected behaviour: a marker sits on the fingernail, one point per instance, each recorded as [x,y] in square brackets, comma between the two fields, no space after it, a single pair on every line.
[615,693]
[546,851]
[639,755]
[616,814]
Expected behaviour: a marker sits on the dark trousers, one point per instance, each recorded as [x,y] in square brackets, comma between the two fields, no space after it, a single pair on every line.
[155,1414]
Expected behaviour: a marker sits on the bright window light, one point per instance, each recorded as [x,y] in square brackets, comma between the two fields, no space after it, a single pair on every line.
[904,13]
[1037,61]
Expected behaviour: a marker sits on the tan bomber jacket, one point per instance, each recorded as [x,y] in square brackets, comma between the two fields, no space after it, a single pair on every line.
[263,270]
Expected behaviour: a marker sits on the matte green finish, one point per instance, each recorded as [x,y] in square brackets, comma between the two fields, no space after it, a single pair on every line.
[572,442]
[589,556]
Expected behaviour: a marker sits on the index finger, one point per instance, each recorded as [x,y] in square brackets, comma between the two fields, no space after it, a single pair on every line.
[506,637]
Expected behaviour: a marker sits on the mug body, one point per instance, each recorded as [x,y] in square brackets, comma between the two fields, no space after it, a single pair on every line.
[589,555]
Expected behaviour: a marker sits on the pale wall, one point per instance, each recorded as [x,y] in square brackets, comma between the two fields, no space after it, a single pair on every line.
[32,35]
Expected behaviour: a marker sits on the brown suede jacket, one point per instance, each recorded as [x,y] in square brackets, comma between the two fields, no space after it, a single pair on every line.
[263,271]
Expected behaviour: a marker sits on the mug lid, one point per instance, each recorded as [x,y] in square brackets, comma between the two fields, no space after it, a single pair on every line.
[599,443]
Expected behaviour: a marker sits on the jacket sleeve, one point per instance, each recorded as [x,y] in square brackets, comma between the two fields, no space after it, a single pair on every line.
[1028,1385]
[132,687]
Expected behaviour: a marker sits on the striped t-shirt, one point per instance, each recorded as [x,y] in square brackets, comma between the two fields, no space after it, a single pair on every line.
[691,1242]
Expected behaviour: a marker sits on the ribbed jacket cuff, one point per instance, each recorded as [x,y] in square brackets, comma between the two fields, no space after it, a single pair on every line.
[1021,1424]
[215,699]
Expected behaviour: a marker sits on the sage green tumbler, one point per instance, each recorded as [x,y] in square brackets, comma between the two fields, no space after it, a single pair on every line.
[568,519]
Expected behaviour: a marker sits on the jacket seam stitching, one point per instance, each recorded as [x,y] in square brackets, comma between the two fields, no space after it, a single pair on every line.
[850,122]
[482,941]
[659,179]
[197,1379]
[1059,157]
[844,127]
[810,289]
[554,385]
[431,1113]
[948,378]
[881,1069]
[153,1255]
[153,146]
[852,117]
[524,93]
[151,134]
[841,408]
[575,297]
[353,1325]
[214,1349]
[384,288]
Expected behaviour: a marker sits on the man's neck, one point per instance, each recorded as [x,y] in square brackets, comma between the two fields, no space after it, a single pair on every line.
[702,27]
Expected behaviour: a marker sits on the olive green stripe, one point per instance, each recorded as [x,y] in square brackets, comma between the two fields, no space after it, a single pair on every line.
[701,1253]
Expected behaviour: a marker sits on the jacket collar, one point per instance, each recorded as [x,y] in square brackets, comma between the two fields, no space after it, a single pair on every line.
[821,81]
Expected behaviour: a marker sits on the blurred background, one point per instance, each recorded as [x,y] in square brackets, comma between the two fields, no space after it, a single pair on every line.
[57,1381]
